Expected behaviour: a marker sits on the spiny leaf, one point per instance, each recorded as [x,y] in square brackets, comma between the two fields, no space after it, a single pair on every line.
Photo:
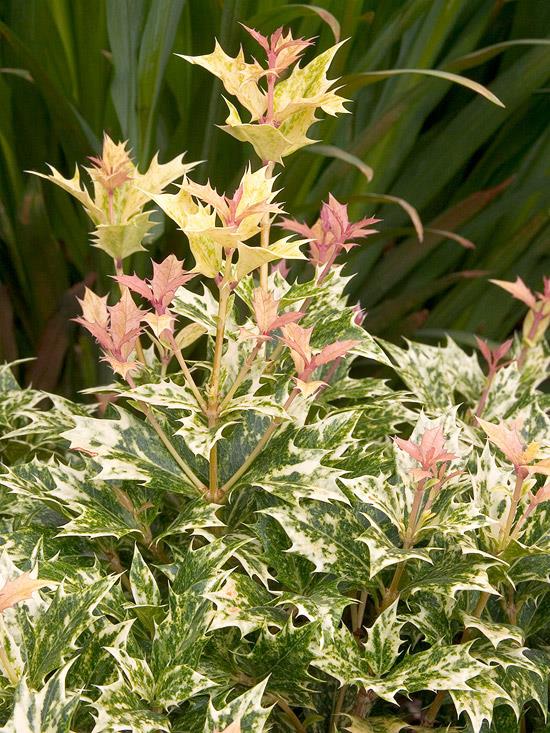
[48,710]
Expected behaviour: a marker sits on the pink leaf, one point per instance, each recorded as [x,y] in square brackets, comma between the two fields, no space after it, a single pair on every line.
[334,351]
[519,290]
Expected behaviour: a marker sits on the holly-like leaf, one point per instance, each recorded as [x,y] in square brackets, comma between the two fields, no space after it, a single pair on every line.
[383,553]
[47,710]
[119,709]
[57,629]
[437,668]
[246,710]
[479,701]
[494,632]
[383,642]
[94,508]
[128,449]
[291,467]
[449,574]
[284,656]
[242,602]
[325,534]
[434,373]
[142,581]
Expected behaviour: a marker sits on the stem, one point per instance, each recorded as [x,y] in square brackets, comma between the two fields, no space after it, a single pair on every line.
[537,317]
[187,374]
[516,496]
[116,564]
[166,441]
[266,226]
[294,719]
[212,410]
[259,447]
[220,333]
[483,399]
[241,376]
[391,594]
[333,727]
[361,611]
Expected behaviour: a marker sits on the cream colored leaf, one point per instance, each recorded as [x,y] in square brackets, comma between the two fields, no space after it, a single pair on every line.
[121,240]
[197,222]
[94,308]
[189,334]
[272,143]
[238,77]
[252,257]
[76,189]
[154,180]
[308,86]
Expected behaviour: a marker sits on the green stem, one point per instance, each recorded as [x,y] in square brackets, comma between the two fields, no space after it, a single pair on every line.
[392,592]
[220,333]
[333,727]
[246,367]
[516,496]
[259,447]
[197,483]
[291,715]
[187,374]
[212,411]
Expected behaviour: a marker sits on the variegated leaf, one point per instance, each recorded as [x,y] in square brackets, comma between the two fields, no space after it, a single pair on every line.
[118,709]
[246,710]
[47,710]
[284,656]
[128,449]
[325,534]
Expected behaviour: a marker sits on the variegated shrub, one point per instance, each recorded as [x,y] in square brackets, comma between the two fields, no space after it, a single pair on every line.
[258,539]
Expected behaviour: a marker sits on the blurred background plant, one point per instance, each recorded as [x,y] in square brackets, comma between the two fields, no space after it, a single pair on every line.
[440,164]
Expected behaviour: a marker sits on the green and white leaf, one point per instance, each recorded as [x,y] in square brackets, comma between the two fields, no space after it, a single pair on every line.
[47,710]
[128,449]
[246,710]
[325,534]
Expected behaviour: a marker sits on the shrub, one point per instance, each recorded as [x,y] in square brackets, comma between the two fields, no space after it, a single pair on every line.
[237,544]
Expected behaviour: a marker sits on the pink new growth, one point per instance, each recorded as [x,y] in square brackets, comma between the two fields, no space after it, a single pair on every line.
[520,291]
[429,453]
[168,276]
[116,328]
[281,52]
[231,209]
[493,356]
[508,438]
[331,233]
[266,314]
[306,362]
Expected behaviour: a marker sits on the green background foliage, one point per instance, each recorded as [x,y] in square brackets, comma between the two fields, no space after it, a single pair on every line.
[73,68]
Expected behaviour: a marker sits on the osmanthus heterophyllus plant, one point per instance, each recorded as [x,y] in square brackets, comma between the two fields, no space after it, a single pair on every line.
[259,540]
